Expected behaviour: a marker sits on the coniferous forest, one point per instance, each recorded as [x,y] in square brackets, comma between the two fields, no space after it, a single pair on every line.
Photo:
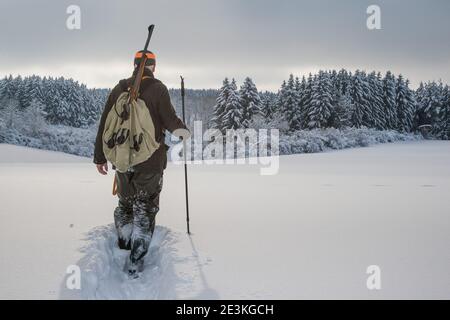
[337,99]
[62,114]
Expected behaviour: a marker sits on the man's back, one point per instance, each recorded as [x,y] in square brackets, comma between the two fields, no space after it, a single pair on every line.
[157,99]
[138,188]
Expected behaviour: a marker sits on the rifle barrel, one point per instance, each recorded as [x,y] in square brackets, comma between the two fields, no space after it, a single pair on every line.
[150,32]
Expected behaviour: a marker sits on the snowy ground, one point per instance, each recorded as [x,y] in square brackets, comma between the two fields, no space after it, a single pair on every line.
[308,232]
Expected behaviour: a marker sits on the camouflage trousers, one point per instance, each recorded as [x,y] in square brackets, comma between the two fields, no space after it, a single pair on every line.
[135,214]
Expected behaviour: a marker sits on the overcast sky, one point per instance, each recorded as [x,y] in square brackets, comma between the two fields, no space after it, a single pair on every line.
[207,40]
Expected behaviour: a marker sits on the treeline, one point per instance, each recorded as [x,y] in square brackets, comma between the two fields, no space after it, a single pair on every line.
[336,99]
[60,101]
[328,99]
[66,102]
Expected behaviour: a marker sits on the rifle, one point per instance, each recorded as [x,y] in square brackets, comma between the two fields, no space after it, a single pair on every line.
[134,90]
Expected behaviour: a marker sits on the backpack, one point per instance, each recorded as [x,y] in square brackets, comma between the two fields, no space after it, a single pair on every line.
[129,134]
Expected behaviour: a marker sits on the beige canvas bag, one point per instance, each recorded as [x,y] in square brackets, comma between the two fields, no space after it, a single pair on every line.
[129,135]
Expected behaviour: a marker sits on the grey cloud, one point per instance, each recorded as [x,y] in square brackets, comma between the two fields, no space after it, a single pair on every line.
[208,40]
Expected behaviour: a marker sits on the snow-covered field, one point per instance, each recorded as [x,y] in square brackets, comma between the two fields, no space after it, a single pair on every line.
[308,232]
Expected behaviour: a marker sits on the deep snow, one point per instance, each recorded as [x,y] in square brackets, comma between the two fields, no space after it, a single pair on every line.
[308,232]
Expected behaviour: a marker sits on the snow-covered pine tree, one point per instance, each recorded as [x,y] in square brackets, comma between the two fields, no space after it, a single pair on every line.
[296,116]
[60,110]
[343,80]
[23,93]
[9,113]
[297,88]
[376,101]
[446,115]
[318,113]
[100,97]
[87,105]
[412,103]
[2,89]
[401,103]
[301,92]
[33,118]
[429,104]
[360,95]
[419,92]
[288,102]
[335,88]
[233,117]
[48,92]
[305,101]
[268,104]
[14,88]
[74,97]
[418,115]
[35,88]
[379,91]
[219,108]
[439,111]
[389,98]
[336,96]
[250,101]
[8,90]
[442,125]
[343,112]
[280,94]
[405,105]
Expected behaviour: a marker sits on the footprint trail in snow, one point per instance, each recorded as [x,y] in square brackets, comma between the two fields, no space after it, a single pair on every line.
[172,269]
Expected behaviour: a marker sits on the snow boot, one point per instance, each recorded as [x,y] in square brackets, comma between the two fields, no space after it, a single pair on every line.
[123,220]
[133,267]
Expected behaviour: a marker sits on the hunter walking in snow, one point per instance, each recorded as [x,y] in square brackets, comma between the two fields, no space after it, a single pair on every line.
[131,136]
